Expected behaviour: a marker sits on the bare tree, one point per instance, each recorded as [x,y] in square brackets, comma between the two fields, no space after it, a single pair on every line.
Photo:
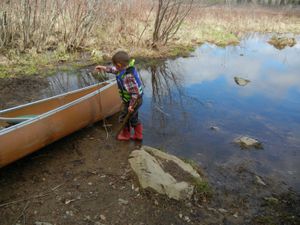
[169,17]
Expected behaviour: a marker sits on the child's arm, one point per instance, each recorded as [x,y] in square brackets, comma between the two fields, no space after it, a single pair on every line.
[107,69]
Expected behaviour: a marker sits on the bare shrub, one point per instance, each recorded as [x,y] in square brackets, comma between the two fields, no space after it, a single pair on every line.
[169,17]
[27,23]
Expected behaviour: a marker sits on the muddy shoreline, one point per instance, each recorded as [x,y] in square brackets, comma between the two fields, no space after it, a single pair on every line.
[85,179]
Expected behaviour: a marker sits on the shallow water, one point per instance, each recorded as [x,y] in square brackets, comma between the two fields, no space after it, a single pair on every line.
[185,97]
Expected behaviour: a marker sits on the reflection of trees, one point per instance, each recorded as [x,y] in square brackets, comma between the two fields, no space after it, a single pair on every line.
[67,81]
[166,91]
[163,80]
[170,102]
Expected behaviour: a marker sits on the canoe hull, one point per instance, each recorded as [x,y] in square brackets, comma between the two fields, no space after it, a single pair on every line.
[53,125]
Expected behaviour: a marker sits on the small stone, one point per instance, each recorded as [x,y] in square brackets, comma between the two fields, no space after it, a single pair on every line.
[180,215]
[35,212]
[155,202]
[90,183]
[247,142]
[241,81]
[87,217]
[102,217]
[68,201]
[187,219]
[260,181]
[69,213]
[235,215]
[122,201]
[214,128]
[222,210]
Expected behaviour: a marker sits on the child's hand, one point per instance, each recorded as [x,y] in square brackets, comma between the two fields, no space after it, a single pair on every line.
[130,109]
[100,68]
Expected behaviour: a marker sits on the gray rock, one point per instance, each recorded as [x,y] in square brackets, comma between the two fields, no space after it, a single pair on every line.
[215,128]
[247,142]
[221,210]
[241,81]
[184,166]
[259,181]
[122,201]
[148,164]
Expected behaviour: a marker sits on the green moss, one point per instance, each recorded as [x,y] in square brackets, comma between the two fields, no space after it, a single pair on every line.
[193,163]
[3,71]
[219,36]
[202,188]
[181,50]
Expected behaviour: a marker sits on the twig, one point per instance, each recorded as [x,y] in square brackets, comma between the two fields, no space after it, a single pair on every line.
[32,197]
[105,127]
[22,213]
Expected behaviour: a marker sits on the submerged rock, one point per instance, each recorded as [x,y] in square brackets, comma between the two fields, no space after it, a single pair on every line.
[241,81]
[247,142]
[164,173]
[259,181]
[282,42]
[214,128]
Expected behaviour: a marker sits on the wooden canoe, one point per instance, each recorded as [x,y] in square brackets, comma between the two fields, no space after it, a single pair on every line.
[55,117]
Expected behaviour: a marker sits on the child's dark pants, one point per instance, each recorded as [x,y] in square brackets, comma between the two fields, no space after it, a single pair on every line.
[134,119]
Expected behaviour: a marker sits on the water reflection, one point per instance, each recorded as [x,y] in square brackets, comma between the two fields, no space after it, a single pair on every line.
[186,96]
[63,82]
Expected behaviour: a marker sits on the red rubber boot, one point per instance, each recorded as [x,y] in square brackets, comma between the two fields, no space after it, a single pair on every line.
[138,132]
[124,135]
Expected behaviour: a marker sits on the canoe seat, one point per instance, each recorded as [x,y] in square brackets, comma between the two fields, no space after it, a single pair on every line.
[16,120]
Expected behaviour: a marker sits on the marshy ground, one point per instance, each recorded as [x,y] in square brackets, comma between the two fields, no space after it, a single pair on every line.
[85,177]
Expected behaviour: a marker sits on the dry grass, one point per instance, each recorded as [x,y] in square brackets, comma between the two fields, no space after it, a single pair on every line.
[129,25]
[221,25]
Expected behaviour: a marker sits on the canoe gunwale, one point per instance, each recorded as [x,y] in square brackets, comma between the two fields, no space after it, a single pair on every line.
[55,96]
[63,107]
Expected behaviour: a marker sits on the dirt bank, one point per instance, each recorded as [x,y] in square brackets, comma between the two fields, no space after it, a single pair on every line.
[85,179]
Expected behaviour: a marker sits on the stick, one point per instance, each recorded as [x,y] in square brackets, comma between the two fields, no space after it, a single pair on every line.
[22,213]
[32,197]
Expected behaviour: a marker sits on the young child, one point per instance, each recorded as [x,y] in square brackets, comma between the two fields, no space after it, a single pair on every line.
[131,92]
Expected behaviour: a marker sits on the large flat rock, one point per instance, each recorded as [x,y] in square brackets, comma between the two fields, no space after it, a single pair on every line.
[164,173]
